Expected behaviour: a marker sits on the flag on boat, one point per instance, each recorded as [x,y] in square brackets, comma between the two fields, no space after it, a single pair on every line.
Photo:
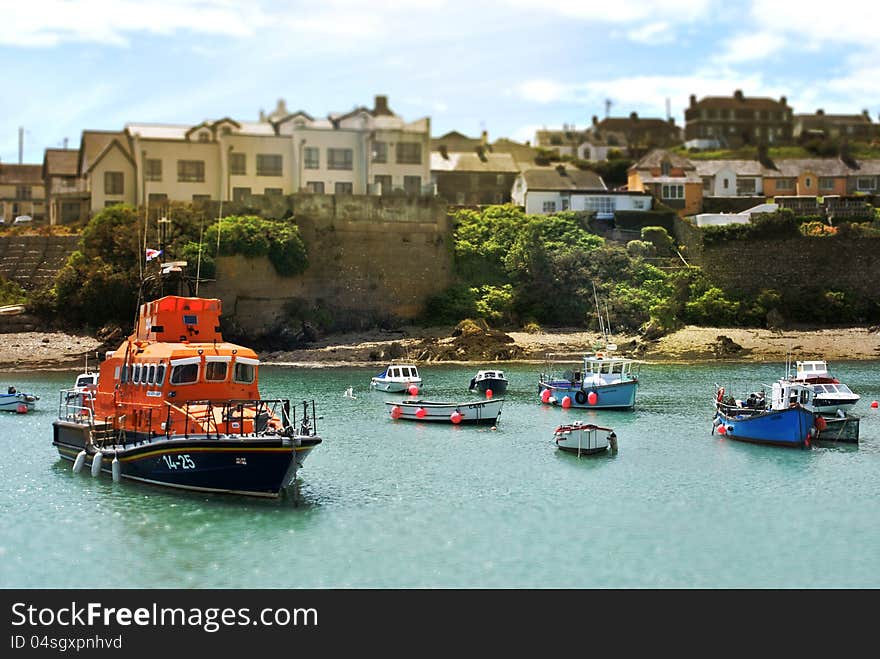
[153,253]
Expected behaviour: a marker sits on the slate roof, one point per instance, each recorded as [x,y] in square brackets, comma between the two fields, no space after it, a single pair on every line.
[94,142]
[60,162]
[656,157]
[564,179]
[496,163]
[740,167]
[21,174]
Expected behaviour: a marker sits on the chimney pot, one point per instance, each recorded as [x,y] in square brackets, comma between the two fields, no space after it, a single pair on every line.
[595,120]
[693,100]
[783,100]
[738,95]
[820,112]
[381,104]
[634,116]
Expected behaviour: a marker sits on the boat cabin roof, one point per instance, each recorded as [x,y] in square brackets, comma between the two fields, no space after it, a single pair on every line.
[812,368]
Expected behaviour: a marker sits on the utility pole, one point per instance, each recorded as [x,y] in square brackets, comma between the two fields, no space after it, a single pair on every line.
[608,104]
[20,145]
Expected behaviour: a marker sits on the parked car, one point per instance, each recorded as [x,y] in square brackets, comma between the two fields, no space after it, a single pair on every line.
[23,219]
[2,220]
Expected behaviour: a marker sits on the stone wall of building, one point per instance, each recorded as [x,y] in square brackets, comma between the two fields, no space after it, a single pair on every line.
[370,257]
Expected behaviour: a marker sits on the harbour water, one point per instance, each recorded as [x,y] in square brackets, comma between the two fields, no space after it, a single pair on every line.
[398,504]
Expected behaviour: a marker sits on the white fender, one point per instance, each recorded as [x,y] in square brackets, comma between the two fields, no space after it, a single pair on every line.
[116,469]
[96,463]
[79,462]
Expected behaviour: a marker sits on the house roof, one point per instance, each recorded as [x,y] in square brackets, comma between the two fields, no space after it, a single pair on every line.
[93,143]
[496,163]
[21,174]
[740,167]
[656,157]
[793,167]
[562,178]
[734,102]
[60,162]
[623,124]
[112,144]
[689,177]
[524,154]
[455,141]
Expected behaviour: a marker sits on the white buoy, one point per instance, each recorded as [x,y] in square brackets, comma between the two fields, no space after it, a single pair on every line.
[79,462]
[115,469]
[96,463]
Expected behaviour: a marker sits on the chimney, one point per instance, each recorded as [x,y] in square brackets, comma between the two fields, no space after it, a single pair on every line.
[866,114]
[738,94]
[381,105]
[595,120]
[481,153]
[281,108]
[782,100]
[634,116]
[671,121]
[693,100]
[484,138]
[820,112]
[443,151]
[262,115]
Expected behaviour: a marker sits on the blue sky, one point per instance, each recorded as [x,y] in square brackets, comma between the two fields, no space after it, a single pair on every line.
[506,66]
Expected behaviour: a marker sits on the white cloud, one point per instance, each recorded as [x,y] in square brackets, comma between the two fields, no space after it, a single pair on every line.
[751,46]
[631,11]
[652,33]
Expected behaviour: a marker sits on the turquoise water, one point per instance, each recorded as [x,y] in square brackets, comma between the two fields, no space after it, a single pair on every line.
[398,504]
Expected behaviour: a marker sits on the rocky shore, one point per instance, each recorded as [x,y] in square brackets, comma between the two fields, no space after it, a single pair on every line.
[29,350]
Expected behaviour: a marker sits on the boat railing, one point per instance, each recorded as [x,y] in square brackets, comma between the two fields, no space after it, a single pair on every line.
[198,418]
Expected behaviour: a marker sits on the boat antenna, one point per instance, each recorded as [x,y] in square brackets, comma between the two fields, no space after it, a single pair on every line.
[199,262]
[602,328]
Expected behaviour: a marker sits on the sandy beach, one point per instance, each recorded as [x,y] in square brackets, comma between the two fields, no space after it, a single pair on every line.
[57,350]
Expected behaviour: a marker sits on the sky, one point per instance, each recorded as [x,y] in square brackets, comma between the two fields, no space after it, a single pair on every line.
[509,67]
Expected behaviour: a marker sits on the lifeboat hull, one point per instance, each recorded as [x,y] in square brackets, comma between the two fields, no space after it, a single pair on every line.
[254,466]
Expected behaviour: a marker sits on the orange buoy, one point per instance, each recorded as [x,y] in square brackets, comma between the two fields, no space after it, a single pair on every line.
[413,390]
[396,411]
[420,413]
[592,398]
[488,393]
[566,402]
[455,417]
[722,430]
[875,404]
[545,396]
[21,409]
[821,423]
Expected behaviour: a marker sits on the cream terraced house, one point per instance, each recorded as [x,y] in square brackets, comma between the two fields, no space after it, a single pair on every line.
[365,151]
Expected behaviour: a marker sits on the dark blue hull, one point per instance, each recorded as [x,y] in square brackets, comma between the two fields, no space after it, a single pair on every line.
[794,427]
[261,467]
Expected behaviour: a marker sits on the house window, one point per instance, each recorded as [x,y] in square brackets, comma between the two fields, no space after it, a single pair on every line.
[153,169]
[726,183]
[157,199]
[638,204]
[565,204]
[343,188]
[24,192]
[707,184]
[240,194]
[315,186]
[340,158]
[673,192]
[191,171]
[604,206]
[826,183]
[785,184]
[204,137]
[312,157]
[268,164]
[380,152]
[549,207]
[866,183]
[69,211]
[384,181]
[113,183]
[412,185]
[237,164]
[745,186]
[273,192]
[201,198]
[409,153]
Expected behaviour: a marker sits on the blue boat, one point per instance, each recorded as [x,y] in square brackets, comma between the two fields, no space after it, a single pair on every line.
[603,382]
[788,419]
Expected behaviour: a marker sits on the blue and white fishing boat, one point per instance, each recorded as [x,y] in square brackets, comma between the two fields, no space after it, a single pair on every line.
[18,401]
[397,378]
[603,382]
[789,419]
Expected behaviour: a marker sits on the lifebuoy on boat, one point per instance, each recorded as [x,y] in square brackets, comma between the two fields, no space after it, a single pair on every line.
[580,397]
[821,423]
[720,395]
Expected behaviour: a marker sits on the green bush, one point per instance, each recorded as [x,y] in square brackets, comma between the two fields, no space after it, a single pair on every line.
[254,236]
[660,238]
[11,293]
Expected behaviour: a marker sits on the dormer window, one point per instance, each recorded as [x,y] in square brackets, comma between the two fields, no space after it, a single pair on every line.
[665,168]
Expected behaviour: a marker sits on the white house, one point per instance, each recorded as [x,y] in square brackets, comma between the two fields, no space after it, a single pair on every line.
[723,219]
[731,178]
[552,189]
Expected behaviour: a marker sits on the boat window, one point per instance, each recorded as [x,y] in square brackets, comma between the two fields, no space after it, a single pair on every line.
[244,373]
[160,373]
[185,374]
[151,378]
[190,319]
[137,374]
[844,389]
[805,396]
[116,373]
[215,371]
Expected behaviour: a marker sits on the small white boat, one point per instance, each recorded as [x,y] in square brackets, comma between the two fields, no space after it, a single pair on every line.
[480,412]
[397,378]
[585,438]
[485,381]
[18,401]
